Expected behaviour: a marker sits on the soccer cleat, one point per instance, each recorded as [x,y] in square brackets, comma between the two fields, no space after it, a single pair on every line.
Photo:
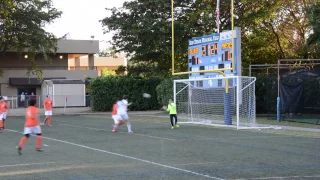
[114,130]
[39,149]
[19,150]
[172,127]
[177,125]
[130,132]
[41,124]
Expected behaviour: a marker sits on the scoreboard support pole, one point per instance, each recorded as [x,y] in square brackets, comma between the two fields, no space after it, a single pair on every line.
[232,29]
[172,36]
[227,109]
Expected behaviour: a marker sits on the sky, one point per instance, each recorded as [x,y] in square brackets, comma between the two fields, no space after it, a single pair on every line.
[80,19]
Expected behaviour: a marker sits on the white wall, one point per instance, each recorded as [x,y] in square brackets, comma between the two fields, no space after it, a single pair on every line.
[7,90]
[74,92]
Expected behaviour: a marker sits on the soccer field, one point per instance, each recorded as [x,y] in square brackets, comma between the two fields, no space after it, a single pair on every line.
[84,148]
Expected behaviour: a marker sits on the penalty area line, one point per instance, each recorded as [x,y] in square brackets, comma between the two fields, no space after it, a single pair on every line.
[125,156]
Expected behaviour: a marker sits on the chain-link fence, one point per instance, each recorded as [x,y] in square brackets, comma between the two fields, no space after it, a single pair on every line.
[59,101]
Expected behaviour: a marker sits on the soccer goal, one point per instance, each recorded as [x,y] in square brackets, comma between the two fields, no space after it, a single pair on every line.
[222,101]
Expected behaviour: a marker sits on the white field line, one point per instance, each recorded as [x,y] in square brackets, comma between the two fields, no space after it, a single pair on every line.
[129,157]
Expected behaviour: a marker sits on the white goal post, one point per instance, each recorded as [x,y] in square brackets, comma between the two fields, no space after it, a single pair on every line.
[208,101]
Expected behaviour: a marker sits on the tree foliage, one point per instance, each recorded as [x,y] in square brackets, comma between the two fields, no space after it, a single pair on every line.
[109,52]
[271,30]
[22,28]
[106,72]
[313,13]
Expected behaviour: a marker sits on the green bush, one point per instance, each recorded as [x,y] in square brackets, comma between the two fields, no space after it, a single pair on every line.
[104,91]
[266,94]
[165,90]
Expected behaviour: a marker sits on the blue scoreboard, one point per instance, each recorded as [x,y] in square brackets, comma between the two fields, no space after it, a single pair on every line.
[214,52]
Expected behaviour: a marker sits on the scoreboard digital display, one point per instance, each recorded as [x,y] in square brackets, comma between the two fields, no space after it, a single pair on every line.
[214,52]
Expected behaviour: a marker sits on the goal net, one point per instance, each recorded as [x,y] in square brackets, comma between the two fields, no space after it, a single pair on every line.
[221,101]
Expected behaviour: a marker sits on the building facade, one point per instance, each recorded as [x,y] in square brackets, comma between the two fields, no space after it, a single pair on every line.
[100,63]
[15,81]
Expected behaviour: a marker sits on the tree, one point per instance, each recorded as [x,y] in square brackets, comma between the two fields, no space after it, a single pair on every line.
[313,13]
[143,30]
[121,69]
[275,29]
[271,30]
[106,72]
[109,52]
[22,29]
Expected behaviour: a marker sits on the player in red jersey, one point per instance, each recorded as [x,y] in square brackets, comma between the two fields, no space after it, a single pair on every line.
[116,118]
[3,113]
[31,127]
[48,111]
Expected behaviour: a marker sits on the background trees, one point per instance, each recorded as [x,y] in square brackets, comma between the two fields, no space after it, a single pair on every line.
[271,30]
[22,28]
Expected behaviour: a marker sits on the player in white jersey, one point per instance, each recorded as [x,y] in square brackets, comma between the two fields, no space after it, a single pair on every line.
[122,111]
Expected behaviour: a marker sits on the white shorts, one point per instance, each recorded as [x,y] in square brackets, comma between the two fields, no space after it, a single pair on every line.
[32,130]
[116,118]
[3,115]
[48,113]
[124,116]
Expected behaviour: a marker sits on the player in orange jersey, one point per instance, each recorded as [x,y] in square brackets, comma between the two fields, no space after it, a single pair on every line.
[48,111]
[31,127]
[3,111]
[116,118]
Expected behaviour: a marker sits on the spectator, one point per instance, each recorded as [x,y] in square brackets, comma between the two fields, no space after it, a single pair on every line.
[22,99]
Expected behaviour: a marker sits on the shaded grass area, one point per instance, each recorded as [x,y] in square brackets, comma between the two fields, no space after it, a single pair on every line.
[83,147]
[264,120]
[260,120]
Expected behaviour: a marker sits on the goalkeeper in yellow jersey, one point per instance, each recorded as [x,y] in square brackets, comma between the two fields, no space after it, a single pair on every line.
[172,109]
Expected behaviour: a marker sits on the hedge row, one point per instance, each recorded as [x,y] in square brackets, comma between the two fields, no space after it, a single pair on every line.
[165,90]
[105,91]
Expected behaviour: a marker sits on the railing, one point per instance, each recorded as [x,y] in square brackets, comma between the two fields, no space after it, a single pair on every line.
[59,101]
[51,67]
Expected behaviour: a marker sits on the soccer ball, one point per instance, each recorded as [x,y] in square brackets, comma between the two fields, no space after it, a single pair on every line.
[146,95]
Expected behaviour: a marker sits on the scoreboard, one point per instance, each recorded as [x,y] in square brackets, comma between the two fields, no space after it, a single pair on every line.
[214,52]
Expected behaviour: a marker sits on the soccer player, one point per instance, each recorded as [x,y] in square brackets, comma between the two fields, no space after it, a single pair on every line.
[172,109]
[117,119]
[3,110]
[31,127]
[122,111]
[48,111]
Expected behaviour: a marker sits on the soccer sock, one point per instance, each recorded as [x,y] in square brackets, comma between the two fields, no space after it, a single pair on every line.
[22,141]
[39,142]
[4,123]
[45,120]
[1,124]
[115,126]
[49,121]
[129,127]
